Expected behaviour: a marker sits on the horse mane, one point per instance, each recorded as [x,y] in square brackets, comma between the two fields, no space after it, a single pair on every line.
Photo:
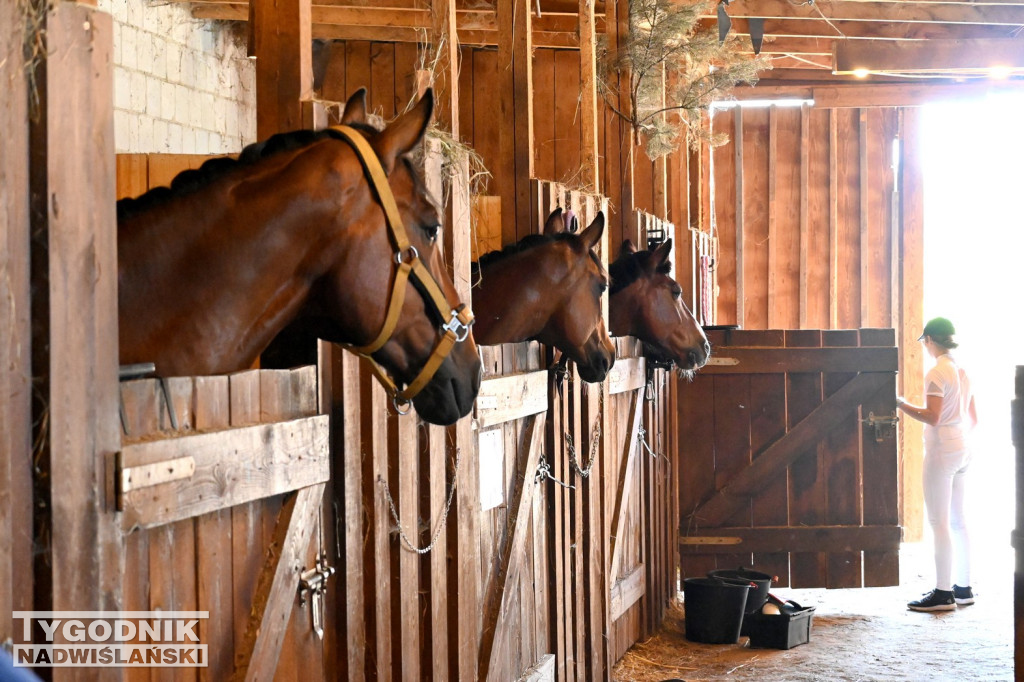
[528,242]
[628,268]
[189,181]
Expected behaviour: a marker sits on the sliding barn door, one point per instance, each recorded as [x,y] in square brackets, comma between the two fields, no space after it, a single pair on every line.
[788,458]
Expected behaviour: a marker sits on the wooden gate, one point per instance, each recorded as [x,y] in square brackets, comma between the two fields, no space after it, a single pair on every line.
[789,458]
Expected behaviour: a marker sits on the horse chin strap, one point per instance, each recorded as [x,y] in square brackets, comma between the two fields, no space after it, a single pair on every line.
[458,320]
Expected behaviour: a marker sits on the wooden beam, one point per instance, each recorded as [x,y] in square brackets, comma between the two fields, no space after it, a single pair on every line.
[627,374]
[16,570]
[277,585]
[773,460]
[589,173]
[625,482]
[756,360]
[515,66]
[737,146]
[284,64]
[805,163]
[171,479]
[928,56]
[774,266]
[794,539]
[506,577]
[509,397]
[627,591]
[911,11]
[80,557]
[863,30]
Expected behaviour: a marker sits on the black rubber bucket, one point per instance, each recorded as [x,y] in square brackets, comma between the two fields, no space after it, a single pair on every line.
[741,576]
[714,610]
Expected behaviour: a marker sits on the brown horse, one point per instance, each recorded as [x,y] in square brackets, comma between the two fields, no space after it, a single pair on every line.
[298,230]
[647,303]
[547,287]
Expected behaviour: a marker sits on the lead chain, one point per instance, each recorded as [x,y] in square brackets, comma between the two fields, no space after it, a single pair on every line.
[444,515]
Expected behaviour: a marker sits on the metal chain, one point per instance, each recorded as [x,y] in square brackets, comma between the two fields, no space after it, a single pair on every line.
[544,471]
[444,515]
[595,438]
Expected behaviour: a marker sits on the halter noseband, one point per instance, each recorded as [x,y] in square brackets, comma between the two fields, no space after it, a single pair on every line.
[457,320]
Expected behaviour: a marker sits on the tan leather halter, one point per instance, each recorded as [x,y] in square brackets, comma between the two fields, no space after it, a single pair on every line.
[458,320]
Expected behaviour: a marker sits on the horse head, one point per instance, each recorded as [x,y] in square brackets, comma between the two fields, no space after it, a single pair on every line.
[548,287]
[647,303]
[399,270]
[330,232]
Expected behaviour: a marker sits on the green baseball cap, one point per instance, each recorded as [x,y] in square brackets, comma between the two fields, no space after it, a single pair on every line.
[938,326]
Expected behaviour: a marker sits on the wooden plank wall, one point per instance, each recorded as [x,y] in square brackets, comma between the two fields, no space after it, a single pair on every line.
[808,193]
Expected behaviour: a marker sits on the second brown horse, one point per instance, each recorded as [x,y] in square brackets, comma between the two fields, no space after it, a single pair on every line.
[547,287]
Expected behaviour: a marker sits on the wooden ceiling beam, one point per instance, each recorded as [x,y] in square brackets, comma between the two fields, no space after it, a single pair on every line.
[844,94]
[929,56]
[867,30]
[888,12]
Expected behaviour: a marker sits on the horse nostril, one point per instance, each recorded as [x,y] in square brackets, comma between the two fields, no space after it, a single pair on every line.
[707,349]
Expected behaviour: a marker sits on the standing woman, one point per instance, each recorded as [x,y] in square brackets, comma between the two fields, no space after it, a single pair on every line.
[948,415]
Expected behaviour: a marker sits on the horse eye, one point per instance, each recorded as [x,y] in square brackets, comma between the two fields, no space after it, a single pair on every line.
[677,292]
[432,231]
[602,287]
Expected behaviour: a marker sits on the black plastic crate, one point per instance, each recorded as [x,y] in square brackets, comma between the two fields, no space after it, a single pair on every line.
[785,630]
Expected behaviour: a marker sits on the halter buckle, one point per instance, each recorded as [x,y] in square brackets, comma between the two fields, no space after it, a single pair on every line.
[457,327]
[413,255]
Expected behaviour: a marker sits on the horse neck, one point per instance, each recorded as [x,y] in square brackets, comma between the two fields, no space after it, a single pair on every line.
[194,270]
[515,298]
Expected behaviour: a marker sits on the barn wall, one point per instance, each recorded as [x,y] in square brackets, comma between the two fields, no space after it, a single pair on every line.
[181,85]
[808,195]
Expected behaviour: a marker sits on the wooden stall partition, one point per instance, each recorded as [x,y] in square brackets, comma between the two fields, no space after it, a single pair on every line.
[16,570]
[789,458]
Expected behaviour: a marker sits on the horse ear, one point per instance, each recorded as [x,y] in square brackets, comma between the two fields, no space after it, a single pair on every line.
[554,225]
[660,255]
[592,235]
[405,132]
[355,108]
[627,247]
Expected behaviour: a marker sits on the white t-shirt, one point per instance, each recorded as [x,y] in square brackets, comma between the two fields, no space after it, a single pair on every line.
[951,383]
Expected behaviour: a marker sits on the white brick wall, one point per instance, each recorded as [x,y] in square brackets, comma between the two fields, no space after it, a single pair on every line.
[181,85]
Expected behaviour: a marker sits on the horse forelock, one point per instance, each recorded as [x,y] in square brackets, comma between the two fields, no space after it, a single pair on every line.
[629,267]
[532,241]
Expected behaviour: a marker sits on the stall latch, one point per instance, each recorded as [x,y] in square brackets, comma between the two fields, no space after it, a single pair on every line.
[884,426]
[313,587]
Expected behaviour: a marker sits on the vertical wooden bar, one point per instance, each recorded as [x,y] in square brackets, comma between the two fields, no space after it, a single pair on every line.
[833,219]
[515,67]
[589,173]
[774,234]
[16,570]
[805,154]
[74,311]
[912,322]
[865,202]
[284,63]
[1017,436]
[353,607]
[741,294]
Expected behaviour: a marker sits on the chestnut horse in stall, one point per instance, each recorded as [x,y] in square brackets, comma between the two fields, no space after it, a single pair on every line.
[647,303]
[547,287]
[334,229]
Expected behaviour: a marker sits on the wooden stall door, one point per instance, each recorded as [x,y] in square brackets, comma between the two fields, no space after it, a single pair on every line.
[787,461]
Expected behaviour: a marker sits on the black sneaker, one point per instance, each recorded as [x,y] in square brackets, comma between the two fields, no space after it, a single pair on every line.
[963,595]
[936,600]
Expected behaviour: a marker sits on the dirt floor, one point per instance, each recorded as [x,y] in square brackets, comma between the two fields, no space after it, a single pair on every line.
[865,634]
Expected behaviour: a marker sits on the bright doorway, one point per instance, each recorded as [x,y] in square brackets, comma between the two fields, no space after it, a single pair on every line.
[974,275]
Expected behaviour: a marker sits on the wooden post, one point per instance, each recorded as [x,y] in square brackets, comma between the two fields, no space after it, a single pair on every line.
[623,226]
[283,34]
[15,369]
[74,311]
[912,296]
[446,73]
[1017,430]
[738,147]
[515,64]
[589,176]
